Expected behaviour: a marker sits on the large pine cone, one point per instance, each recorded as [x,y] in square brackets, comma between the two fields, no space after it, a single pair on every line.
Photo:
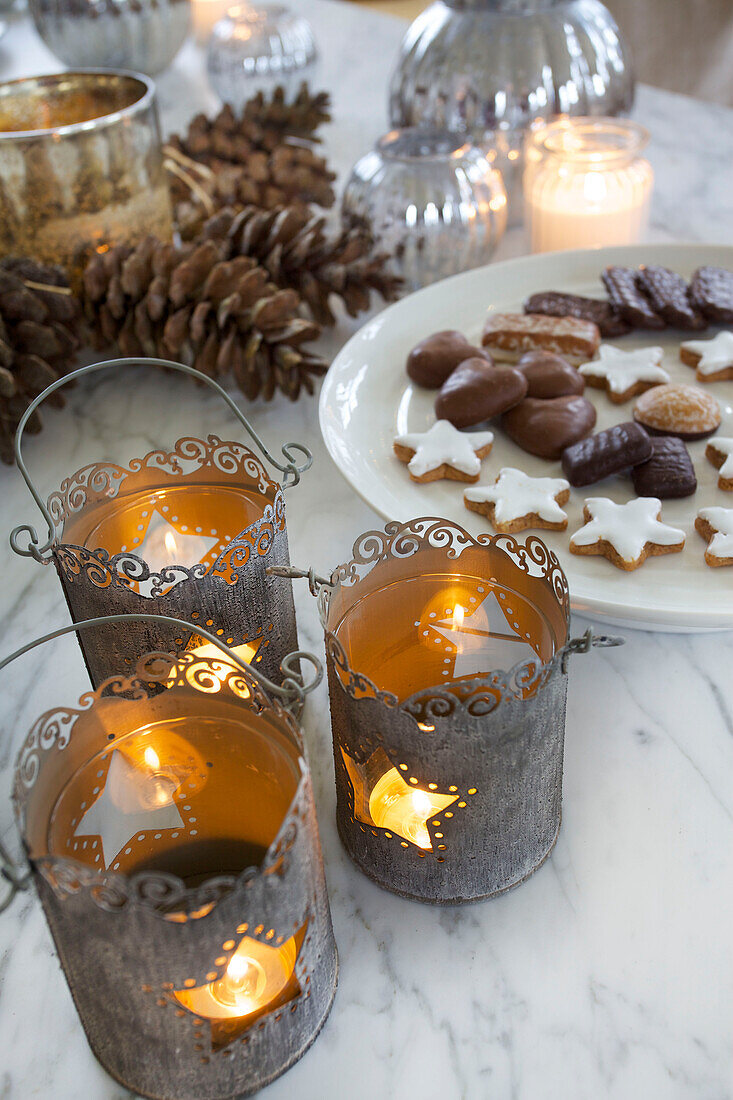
[298,252]
[193,305]
[40,332]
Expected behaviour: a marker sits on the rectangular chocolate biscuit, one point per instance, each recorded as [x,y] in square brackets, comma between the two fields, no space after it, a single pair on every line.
[608,452]
[555,304]
[711,291]
[627,299]
[668,293]
[669,472]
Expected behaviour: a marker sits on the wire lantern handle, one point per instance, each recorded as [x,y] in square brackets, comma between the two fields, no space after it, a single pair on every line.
[298,457]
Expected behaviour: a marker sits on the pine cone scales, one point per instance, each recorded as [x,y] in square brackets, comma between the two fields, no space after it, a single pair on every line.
[297,252]
[195,305]
[40,331]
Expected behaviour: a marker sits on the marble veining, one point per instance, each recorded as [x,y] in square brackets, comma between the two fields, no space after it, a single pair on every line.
[608,974]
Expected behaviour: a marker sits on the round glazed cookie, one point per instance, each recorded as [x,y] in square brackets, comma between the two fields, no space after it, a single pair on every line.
[549,375]
[434,358]
[477,391]
[684,411]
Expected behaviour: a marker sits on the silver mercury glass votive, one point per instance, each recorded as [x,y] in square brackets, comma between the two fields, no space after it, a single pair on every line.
[490,68]
[431,199]
[142,35]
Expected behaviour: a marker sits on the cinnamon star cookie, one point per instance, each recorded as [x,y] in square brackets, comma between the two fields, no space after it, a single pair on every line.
[624,374]
[443,452]
[516,501]
[719,454]
[716,527]
[626,534]
[712,359]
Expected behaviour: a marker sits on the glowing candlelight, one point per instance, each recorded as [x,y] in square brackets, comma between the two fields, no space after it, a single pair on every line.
[405,810]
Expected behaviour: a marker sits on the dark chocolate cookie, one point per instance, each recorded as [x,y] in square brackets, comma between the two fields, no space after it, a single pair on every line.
[554,304]
[711,291]
[668,293]
[628,300]
[668,473]
[608,452]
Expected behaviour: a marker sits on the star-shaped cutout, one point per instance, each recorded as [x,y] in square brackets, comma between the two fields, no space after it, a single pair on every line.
[621,370]
[259,978]
[710,356]
[383,799]
[627,527]
[133,800]
[444,445]
[163,546]
[719,521]
[483,641]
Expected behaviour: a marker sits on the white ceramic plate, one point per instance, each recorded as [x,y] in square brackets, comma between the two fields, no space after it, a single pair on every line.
[367,399]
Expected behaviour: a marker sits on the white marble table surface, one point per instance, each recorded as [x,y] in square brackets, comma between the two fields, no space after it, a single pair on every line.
[610,973]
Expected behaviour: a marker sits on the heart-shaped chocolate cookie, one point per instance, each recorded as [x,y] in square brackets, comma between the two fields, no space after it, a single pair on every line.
[549,375]
[477,391]
[434,358]
[547,427]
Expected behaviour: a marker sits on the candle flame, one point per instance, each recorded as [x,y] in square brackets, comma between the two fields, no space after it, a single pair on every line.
[238,967]
[458,616]
[170,543]
[151,758]
[422,805]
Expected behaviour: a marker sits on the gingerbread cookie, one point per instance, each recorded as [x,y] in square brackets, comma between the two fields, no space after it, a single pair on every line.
[626,534]
[679,410]
[547,427]
[443,452]
[478,391]
[711,291]
[624,374]
[716,527]
[712,359]
[668,473]
[608,452]
[434,358]
[515,501]
[549,375]
[667,292]
[720,454]
[627,298]
[510,335]
[555,304]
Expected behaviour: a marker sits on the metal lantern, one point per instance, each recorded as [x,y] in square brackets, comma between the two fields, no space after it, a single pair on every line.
[171,833]
[447,667]
[187,532]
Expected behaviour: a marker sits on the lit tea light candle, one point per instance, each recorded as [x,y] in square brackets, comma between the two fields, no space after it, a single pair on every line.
[405,810]
[586,184]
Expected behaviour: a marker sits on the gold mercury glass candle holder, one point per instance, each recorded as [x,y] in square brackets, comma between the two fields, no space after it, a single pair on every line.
[81,167]
[169,823]
[186,532]
[447,667]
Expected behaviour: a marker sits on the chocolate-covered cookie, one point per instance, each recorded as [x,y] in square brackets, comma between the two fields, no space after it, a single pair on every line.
[477,391]
[628,299]
[547,427]
[556,304]
[549,375]
[667,291]
[434,358]
[711,291]
[608,452]
[668,473]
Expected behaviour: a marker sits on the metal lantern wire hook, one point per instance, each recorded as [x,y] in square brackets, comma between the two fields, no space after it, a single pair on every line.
[24,539]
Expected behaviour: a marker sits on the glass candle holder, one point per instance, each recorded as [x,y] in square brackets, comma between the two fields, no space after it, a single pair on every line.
[429,198]
[447,666]
[586,184]
[256,49]
[80,166]
[170,827]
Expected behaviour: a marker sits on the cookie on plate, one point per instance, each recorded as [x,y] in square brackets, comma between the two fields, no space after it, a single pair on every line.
[549,375]
[437,356]
[516,501]
[628,299]
[711,291]
[668,294]
[668,473]
[443,452]
[601,313]
[712,359]
[679,410]
[477,391]
[510,335]
[624,374]
[608,452]
[626,534]
[716,527]
[546,427]
[719,453]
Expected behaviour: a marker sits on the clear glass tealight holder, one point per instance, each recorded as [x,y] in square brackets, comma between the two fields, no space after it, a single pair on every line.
[257,48]
[431,199]
[586,184]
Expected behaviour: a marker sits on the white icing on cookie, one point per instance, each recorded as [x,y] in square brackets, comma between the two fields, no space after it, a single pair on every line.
[628,527]
[623,369]
[721,520]
[715,355]
[724,444]
[444,445]
[515,494]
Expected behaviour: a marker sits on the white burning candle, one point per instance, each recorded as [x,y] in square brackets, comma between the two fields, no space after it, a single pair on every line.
[586,184]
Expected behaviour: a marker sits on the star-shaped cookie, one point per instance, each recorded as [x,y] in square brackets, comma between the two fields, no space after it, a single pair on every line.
[443,452]
[516,501]
[712,359]
[626,534]
[720,453]
[624,374]
[716,527]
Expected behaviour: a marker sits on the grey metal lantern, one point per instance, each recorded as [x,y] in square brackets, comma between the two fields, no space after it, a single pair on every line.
[169,823]
[186,532]
[447,667]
